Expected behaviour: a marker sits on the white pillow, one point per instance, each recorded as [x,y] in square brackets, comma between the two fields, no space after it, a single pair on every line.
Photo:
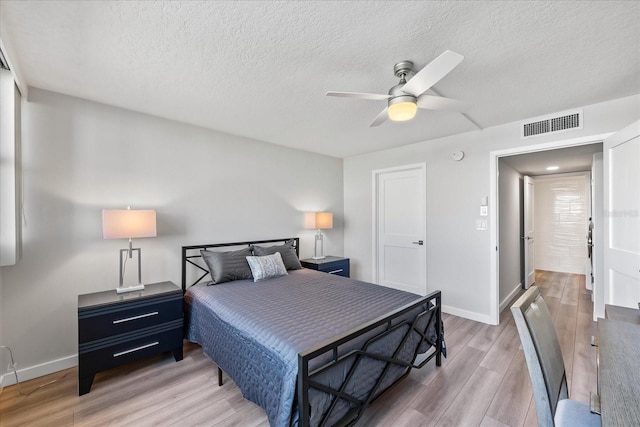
[266,267]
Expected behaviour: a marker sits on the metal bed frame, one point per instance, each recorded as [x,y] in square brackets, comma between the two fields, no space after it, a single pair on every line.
[398,322]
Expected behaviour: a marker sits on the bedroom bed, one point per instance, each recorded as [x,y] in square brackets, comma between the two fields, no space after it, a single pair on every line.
[310,348]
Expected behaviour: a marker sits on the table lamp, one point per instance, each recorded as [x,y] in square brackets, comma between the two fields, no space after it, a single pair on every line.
[128,224]
[319,221]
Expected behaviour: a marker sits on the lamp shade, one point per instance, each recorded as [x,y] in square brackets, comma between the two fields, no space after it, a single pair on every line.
[128,223]
[310,220]
[318,220]
[324,220]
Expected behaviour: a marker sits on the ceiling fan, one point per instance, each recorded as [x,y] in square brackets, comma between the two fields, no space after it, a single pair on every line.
[405,98]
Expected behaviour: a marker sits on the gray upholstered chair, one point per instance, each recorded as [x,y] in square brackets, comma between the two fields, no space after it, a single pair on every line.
[546,367]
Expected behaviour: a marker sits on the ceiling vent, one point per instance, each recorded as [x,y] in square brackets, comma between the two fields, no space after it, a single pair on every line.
[552,124]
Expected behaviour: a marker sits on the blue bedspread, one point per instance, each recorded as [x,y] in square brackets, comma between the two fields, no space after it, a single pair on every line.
[254,331]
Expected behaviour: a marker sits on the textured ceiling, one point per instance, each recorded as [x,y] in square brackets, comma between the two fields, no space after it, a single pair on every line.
[261,69]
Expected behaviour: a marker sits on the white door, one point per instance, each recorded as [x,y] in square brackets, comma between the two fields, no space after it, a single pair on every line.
[622,217]
[400,228]
[528,238]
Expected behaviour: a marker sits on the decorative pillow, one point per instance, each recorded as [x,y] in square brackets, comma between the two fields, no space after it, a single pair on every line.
[288,252]
[266,267]
[227,266]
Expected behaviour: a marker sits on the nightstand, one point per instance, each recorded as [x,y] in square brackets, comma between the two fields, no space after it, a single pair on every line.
[115,329]
[329,264]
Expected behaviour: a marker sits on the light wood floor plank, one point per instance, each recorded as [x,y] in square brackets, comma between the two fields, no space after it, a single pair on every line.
[470,406]
[511,403]
[436,396]
[565,323]
[411,418]
[251,416]
[451,323]
[532,416]
[501,353]
[490,422]
[205,395]
[389,407]
[487,335]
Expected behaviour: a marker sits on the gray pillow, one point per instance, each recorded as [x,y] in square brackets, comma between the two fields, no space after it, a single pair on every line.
[227,266]
[266,267]
[287,251]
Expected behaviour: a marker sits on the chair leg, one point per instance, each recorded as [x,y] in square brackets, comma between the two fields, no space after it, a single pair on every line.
[220,377]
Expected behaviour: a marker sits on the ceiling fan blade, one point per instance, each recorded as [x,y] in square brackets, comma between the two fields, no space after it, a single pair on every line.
[380,118]
[368,96]
[432,102]
[432,73]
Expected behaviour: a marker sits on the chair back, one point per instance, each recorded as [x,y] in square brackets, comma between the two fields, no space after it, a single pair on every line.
[542,352]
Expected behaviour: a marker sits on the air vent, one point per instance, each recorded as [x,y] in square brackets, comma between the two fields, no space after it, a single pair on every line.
[552,124]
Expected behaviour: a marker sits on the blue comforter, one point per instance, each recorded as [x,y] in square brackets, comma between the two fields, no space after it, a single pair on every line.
[254,331]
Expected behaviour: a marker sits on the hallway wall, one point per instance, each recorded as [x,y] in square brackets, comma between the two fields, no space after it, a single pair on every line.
[561,220]
[510,199]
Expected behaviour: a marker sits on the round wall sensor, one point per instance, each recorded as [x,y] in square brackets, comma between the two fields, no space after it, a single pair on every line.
[457,155]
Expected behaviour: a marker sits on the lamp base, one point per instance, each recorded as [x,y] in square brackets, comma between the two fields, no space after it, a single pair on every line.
[132,288]
[316,254]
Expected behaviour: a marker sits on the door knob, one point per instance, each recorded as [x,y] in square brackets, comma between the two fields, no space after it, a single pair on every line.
[419,242]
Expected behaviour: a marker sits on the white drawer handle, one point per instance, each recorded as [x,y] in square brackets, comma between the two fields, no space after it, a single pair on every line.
[128,319]
[336,271]
[142,347]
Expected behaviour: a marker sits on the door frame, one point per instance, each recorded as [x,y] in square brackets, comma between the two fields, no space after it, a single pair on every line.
[422,167]
[494,156]
[529,220]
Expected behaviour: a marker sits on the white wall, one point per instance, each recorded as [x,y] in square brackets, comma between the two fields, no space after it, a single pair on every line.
[80,157]
[510,186]
[561,206]
[458,256]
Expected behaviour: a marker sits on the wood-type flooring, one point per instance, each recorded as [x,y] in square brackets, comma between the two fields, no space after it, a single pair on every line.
[483,382]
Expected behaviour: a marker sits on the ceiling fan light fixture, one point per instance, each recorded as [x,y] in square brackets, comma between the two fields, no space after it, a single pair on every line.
[402,108]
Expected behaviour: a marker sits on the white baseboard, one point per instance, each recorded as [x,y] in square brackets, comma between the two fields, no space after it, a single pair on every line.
[36,371]
[507,301]
[471,315]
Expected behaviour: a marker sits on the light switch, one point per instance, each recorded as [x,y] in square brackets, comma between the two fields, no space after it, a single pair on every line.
[484,210]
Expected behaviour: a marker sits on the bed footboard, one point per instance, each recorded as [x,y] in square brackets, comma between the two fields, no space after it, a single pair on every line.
[406,338]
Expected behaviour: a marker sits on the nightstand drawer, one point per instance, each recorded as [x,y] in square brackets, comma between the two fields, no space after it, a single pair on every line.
[329,264]
[105,321]
[340,268]
[100,355]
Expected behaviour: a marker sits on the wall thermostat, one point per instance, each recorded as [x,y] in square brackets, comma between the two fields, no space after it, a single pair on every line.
[457,155]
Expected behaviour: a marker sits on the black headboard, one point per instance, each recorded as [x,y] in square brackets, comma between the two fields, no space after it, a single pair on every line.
[191,252]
